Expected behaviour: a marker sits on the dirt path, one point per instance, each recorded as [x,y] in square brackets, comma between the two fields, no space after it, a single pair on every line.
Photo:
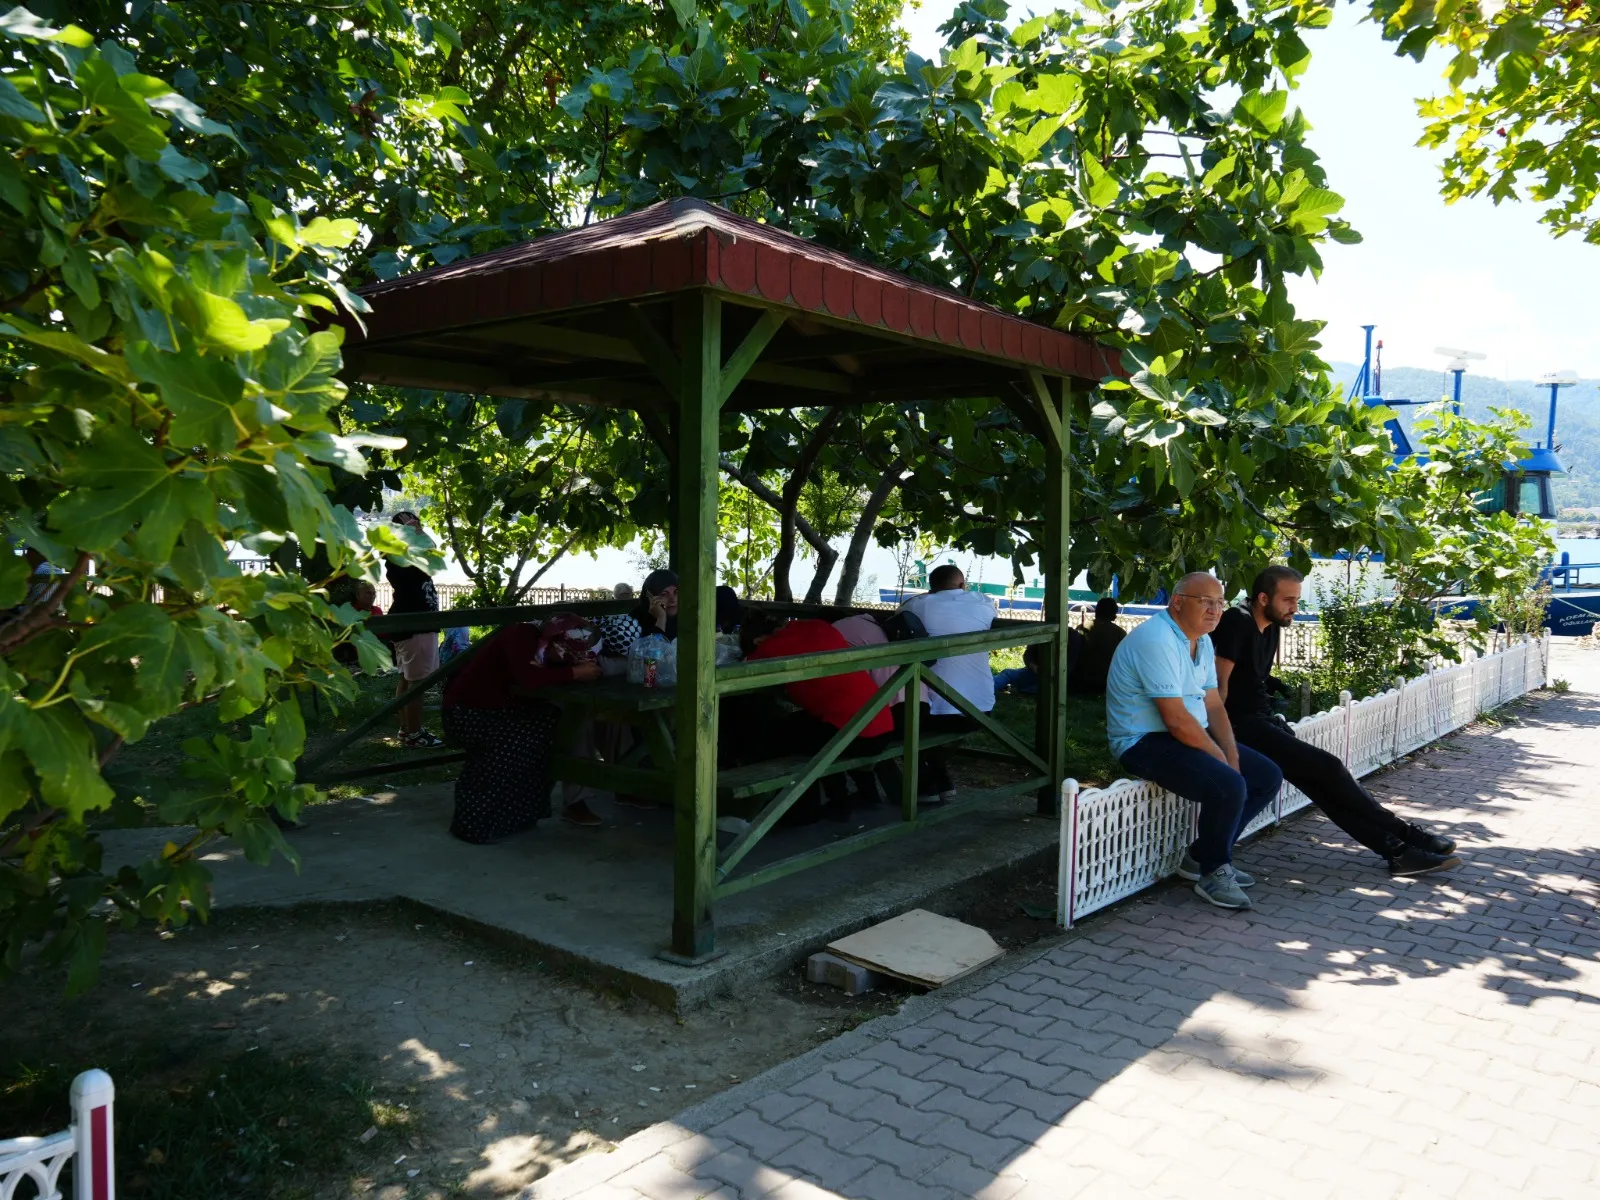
[510,1068]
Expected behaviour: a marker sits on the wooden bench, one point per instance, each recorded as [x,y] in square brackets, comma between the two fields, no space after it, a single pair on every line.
[743,783]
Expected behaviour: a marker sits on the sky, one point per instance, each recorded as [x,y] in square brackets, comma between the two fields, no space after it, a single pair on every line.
[1468,275]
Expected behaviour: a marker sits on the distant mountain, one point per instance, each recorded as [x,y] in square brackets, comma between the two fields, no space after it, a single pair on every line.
[1577,417]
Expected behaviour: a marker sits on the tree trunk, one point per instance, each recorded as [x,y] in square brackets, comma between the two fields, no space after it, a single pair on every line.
[523,589]
[789,509]
[825,561]
[761,491]
[862,536]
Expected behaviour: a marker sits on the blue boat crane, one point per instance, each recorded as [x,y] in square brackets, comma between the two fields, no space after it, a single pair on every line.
[1525,486]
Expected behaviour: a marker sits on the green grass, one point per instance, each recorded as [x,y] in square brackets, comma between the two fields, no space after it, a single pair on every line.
[1089,759]
[192,1126]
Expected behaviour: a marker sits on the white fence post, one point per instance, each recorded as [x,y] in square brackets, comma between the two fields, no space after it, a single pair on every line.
[1067,856]
[92,1173]
[40,1161]
[1344,703]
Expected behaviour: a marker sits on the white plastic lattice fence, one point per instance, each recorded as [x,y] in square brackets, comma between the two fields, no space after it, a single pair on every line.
[1118,840]
[87,1145]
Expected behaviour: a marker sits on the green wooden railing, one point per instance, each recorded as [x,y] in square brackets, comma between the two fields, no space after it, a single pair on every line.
[319,765]
[909,657]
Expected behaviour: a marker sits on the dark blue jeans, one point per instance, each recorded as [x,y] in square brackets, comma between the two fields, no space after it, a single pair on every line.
[1022,680]
[1228,799]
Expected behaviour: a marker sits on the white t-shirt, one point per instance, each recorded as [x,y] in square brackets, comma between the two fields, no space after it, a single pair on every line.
[958,612]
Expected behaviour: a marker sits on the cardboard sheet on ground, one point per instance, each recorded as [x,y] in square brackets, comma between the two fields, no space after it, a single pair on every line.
[920,947]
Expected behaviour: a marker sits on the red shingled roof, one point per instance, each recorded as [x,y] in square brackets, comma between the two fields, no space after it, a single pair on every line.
[682,244]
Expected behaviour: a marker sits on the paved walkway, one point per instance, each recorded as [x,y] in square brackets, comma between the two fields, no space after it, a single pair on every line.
[1351,1037]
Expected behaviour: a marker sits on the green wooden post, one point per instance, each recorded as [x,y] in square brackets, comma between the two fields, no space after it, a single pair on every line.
[912,733]
[1051,729]
[699,328]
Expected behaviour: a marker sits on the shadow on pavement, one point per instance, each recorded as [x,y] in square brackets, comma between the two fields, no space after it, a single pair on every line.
[994,1075]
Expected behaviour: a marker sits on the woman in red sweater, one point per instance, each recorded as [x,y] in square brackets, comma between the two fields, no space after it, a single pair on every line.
[504,786]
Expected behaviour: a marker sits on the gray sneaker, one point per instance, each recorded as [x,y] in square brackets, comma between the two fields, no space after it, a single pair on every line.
[1190,869]
[1222,889]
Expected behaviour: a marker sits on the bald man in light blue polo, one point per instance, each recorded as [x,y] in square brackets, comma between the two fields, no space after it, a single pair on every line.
[1167,724]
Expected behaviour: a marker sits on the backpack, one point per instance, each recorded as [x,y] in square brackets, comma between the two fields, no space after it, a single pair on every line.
[565,640]
[902,626]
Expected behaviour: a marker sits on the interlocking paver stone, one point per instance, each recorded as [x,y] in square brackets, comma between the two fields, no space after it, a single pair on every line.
[1354,1035]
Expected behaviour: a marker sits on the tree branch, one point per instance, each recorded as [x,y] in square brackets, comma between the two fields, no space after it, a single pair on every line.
[39,615]
[763,491]
[550,562]
[789,511]
[891,478]
[514,48]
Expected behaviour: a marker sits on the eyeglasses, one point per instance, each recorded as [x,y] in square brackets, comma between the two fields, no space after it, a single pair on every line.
[1209,603]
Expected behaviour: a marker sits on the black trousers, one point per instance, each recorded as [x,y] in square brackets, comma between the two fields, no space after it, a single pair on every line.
[933,766]
[1326,780]
[802,734]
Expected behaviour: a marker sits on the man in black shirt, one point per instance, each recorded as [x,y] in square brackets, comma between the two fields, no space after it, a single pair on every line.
[1246,644]
[416,655]
[1099,645]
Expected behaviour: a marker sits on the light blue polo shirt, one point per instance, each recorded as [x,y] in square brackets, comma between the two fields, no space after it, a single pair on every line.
[1154,661]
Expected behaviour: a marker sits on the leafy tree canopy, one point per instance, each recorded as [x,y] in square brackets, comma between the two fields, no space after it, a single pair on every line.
[171,231]
[1521,116]
[165,399]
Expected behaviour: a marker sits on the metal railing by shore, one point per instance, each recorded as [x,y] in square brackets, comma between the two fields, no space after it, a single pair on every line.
[1299,646]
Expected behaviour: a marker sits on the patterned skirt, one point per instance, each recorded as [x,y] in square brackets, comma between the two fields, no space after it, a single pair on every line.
[504,785]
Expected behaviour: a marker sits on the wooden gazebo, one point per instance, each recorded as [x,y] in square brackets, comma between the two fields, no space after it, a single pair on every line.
[678,312]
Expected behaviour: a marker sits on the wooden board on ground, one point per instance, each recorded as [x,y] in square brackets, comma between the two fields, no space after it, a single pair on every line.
[920,947]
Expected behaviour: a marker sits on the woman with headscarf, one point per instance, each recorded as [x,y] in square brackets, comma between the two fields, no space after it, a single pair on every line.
[491,710]
[728,609]
[657,610]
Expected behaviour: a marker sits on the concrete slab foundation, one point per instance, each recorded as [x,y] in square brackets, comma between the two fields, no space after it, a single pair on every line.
[600,900]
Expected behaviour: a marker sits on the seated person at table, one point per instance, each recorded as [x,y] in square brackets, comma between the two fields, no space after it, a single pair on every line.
[1166,723]
[826,705]
[504,785]
[947,607]
[657,610]
[1246,644]
[365,601]
[879,629]
[728,609]
[1024,680]
[1099,645]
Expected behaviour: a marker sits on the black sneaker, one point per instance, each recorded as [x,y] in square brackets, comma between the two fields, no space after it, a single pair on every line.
[1433,843]
[1414,860]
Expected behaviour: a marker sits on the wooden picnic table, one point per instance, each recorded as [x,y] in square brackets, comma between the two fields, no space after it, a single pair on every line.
[650,711]
[647,709]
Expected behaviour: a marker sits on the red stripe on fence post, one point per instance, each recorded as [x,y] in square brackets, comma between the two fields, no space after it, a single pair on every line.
[93,1171]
